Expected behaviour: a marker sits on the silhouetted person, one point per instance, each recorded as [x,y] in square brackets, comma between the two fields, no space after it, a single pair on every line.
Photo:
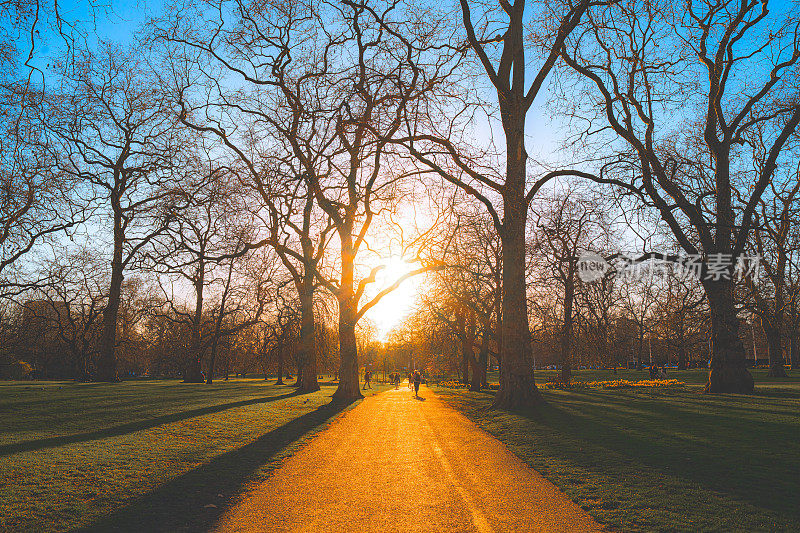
[417,381]
[367,376]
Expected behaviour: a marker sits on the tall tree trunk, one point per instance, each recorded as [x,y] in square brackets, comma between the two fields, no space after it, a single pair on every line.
[107,361]
[566,332]
[681,357]
[194,372]
[212,359]
[279,348]
[218,325]
[498,311]
[517,385]
[461,324]
[794,357]
[348,389]
[639,347]
[774,348]
[483,362]
[215,342]
[468,351]
[728,365]
[483,356]
[307,355]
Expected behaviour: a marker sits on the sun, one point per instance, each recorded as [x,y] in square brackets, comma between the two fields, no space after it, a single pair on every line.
[398,304]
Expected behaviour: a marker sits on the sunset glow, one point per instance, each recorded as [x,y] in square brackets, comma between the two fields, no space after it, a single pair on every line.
[398,304]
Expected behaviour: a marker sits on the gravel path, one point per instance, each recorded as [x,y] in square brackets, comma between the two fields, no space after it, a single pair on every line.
[394,463]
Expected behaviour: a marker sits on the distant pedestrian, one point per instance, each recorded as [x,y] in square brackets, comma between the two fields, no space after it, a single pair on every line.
[410,379]
[417,381]
[367,377]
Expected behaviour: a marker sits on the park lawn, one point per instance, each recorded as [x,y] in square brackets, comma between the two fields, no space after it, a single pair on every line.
[661,459]
[143,455]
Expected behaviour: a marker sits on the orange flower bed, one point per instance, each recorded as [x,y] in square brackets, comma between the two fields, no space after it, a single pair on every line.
[616,384]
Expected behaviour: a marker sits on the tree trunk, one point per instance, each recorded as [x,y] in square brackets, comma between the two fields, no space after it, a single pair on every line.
[194,371]
[348,389]
[468,351]
[483,363]
[566,332]
[461,324]
[212,359]
[218,325]
[681,357]
[215,343]
[774,350]
[279,348]
[639,348]
[793,355]
[307,355]
[107,362]
[728,365]
[517,385]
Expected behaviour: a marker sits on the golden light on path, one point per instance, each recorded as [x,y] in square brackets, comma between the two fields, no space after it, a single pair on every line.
[397,305]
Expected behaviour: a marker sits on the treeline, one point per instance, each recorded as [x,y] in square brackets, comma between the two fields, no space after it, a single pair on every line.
[222,192]
[50,337]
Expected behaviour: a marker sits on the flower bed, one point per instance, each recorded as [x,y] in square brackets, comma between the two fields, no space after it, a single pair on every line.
[579,385]
[455,384]
[616,384]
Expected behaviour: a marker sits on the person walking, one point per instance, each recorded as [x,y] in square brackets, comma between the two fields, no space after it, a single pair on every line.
[417,381]
[367,376]
[410,380]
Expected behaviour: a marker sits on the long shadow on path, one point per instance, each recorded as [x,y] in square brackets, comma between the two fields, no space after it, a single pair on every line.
[192,502]
[50,442]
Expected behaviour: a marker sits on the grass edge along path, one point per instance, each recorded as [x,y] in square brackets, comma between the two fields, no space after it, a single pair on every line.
[644,460]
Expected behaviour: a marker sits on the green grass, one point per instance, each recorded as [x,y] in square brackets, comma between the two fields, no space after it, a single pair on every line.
[143,455]
[658,459]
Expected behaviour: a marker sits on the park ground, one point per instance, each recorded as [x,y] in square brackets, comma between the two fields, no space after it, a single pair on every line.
[167,456]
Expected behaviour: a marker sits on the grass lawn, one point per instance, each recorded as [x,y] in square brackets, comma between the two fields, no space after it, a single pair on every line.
[662,459]
[143,455]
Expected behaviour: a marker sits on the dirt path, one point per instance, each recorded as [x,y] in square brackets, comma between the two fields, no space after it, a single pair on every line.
[394,463]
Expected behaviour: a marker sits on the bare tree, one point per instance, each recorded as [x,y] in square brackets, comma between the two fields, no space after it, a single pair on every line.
[120,139]
[566,227]
[772,241]
[496,38]
[681,314]
[647,64]
[329,120]
[76,295]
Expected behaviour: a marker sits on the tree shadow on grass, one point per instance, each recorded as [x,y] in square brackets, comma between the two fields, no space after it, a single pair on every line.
[195,500]
[659,442]
[115,431]
[730,446]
